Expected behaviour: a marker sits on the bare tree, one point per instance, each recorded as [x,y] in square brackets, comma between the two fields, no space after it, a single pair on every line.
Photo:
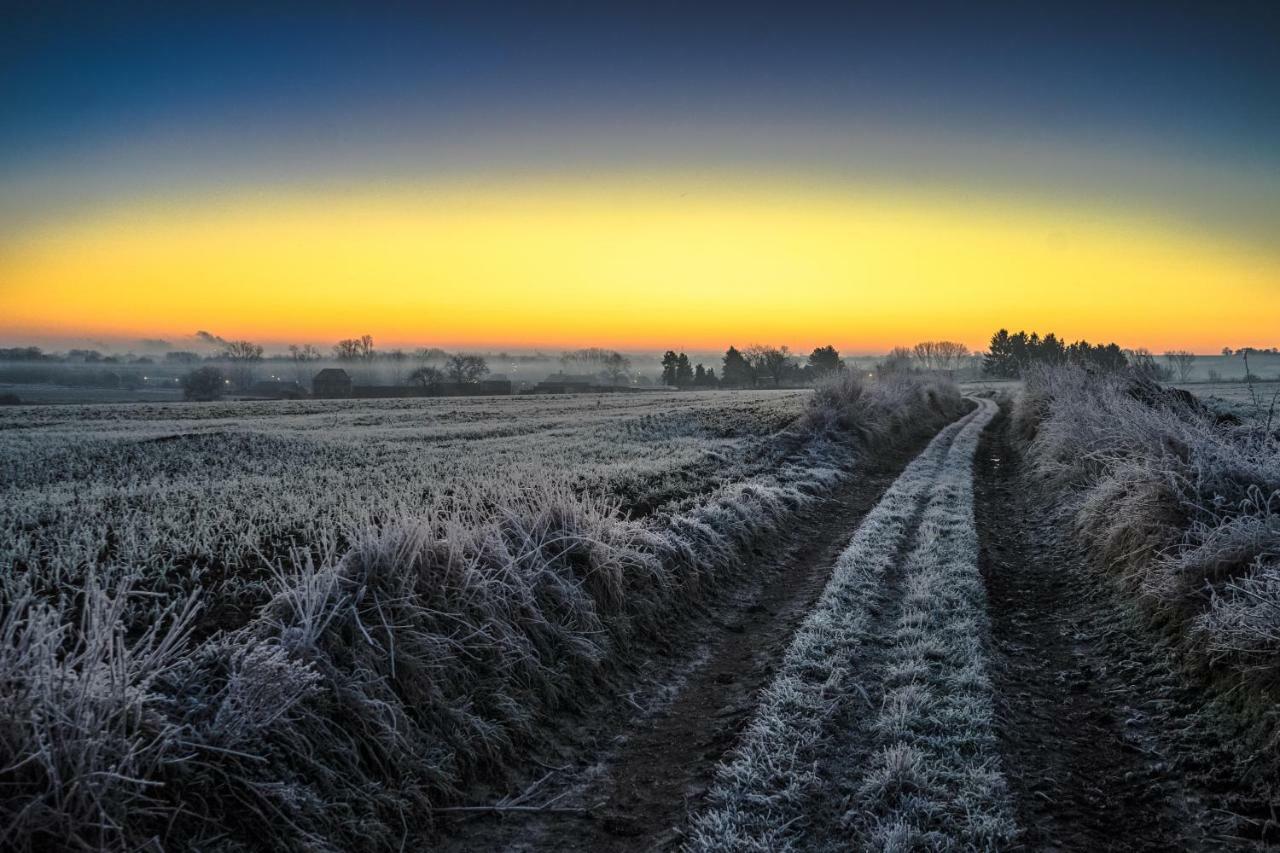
[242,351]
[302,356]
[242,355]
[617,367]
[587,355]
[770,363]
[940,355]
[347,349]
[351,349]
[897,361]
[1144,364]
[426,355]
[950,355]
[464,369]
[1181,361]
[923,353]
[397,357]
[428,377]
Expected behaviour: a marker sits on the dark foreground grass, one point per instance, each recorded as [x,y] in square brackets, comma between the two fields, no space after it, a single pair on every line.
[1183,506]
[377,682]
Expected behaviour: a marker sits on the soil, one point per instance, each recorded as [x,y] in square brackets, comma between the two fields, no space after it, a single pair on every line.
[1106,745]
[636,772]
[1105,742]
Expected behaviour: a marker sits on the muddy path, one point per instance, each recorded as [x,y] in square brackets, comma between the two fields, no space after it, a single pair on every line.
[637,770]
[1105,744]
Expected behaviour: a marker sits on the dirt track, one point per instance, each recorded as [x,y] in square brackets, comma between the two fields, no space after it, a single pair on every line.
[1104,745]
[637,773]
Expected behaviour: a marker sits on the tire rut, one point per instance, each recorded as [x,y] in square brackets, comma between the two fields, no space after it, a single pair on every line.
[1095,724]
[878,732]
[638,793]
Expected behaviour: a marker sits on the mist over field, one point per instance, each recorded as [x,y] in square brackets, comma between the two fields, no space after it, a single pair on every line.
[742,428]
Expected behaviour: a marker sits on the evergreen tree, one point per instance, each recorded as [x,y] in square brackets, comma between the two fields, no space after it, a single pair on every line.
[684,371]
[736,371]
[669,361]
[825,360]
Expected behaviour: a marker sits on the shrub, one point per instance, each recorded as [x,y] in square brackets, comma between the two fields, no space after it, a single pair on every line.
[204,383]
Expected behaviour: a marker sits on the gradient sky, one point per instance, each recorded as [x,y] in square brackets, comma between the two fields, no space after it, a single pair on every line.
[863,174]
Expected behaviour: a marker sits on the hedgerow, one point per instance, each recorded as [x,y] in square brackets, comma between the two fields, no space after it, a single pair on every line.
[1181,505]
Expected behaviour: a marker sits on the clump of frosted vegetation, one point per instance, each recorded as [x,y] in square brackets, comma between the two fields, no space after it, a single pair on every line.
[1184,507]
[921,708]
[302,626]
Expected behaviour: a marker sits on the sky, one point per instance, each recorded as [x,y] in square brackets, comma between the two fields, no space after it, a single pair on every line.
[490,175]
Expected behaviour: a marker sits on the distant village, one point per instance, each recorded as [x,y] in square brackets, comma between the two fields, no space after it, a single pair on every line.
[215,368]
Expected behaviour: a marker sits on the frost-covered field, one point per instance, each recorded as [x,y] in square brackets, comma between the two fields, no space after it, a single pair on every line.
[188,496]
[1250,402]
[307,625]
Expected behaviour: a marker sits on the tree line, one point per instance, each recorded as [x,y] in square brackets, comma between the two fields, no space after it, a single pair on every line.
[751,367]
[1009,356]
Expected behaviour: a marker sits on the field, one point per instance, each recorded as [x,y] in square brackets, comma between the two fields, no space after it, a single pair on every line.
[1247,401]
[868,616]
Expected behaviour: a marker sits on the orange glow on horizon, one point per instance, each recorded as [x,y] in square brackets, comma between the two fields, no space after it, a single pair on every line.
[634,266]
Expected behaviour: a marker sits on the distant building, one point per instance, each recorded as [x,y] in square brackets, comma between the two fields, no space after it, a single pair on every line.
[497,387]
[565,383]
[485,387]
[331,382]
[278,389]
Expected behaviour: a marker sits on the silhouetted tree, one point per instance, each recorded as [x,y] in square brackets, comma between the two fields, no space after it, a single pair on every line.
[736,371]
[897,361]
[940,355]
[242,351]
[1144,364]
[302,356]
[769,364]
[617,367]
[347,349]
[242,355]
[1181,361]
[1009,355]
[684,371]
[825,360]
[464,369]
[669,363]
[29,354]
[427,377]
[427,354]
[204,383]
[397,357]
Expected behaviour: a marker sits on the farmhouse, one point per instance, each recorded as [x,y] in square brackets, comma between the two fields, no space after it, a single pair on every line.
[331,382]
